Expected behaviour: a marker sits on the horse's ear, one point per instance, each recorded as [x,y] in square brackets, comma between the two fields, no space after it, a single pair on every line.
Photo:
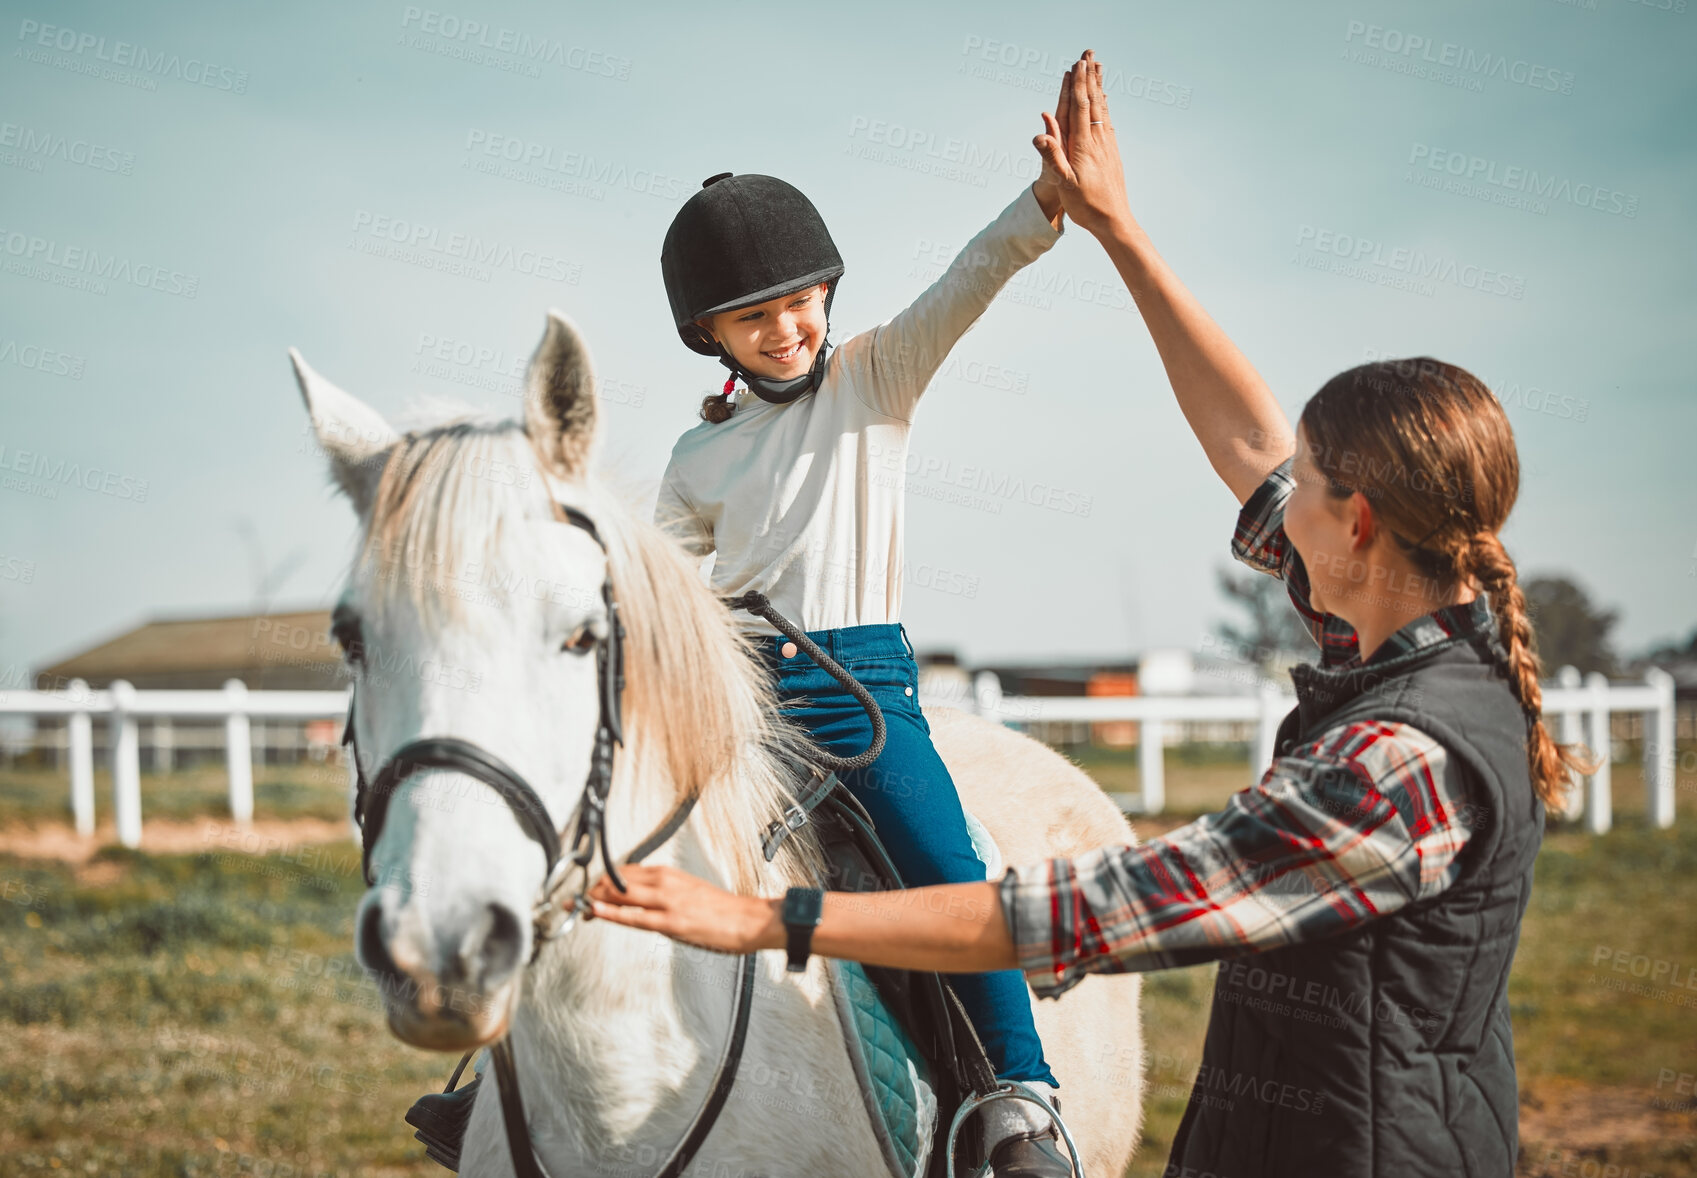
[352,433]
[559,403]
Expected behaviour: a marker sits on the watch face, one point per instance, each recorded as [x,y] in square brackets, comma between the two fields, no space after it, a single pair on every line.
[803,906]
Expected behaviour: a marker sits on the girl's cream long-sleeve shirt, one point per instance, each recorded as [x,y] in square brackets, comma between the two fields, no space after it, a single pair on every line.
[804,501]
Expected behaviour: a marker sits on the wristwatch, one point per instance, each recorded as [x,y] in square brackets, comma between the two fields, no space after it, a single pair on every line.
[800,914]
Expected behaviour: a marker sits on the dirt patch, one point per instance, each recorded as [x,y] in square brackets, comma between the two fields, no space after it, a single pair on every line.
[1562,1118]
[164,836]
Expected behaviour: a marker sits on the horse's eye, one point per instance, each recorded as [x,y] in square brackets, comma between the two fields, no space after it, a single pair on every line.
[582,640]
[345,629]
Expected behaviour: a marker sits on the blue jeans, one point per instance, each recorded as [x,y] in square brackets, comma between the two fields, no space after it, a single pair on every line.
[913,803]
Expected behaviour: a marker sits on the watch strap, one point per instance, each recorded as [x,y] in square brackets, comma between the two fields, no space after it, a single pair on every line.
[801,912]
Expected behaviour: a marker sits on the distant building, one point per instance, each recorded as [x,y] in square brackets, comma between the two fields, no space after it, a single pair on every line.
[272,652]
[268,652]
[1161,671]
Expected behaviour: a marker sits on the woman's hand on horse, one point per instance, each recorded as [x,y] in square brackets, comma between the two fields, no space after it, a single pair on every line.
[685,908]
[1079,152]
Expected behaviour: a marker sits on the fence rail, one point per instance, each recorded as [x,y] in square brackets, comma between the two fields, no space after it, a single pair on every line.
[1581,710]
[125,706]
[1580,707]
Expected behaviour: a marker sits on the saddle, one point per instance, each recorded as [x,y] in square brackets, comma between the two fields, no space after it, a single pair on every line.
[923,1003]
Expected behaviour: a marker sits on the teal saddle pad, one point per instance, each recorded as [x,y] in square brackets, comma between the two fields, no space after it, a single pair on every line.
[895,1081]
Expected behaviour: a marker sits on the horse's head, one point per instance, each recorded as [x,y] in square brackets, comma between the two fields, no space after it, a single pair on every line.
[472,611]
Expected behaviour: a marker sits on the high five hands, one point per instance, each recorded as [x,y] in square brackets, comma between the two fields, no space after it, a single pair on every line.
[1081,158]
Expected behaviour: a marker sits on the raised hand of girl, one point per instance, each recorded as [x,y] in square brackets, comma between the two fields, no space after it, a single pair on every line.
[1080,153]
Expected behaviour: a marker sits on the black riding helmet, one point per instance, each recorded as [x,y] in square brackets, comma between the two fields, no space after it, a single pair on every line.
[740,241]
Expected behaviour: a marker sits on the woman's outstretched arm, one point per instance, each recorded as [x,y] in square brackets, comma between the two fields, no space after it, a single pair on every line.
[955,928]
[1371,817]
[1233,413]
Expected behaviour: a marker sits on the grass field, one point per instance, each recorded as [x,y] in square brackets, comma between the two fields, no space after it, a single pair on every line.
[32,796]
[201,1014]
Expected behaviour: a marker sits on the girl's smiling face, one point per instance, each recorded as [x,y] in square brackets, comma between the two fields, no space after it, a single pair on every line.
[777,339]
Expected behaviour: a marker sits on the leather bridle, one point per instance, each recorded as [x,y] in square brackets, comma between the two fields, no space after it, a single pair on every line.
[551,917]
[371,798]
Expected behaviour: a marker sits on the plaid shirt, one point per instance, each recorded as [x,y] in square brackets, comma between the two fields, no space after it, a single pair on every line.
[1353,826]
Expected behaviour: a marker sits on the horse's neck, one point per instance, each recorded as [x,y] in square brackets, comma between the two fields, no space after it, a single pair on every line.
[615,1022]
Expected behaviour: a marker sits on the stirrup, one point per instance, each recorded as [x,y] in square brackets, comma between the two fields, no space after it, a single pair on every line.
[1009,1090]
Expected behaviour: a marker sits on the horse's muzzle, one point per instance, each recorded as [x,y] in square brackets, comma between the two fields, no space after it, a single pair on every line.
[451,989]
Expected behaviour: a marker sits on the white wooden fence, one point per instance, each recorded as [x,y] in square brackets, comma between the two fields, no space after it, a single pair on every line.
[124,706]
[1580,708]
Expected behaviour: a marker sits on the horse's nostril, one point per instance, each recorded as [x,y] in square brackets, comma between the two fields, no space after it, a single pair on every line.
[492,958]
[373,953]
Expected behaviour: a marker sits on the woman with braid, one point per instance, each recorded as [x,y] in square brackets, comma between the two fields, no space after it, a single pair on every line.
[1364,899]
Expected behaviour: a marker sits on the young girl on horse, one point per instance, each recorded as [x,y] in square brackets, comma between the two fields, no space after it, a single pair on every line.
[1365,898]
[785,480]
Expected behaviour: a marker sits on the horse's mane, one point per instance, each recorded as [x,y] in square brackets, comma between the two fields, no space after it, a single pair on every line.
[698,713]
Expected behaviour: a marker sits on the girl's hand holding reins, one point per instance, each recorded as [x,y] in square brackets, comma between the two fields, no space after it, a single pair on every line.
[1080,153]
[666,900]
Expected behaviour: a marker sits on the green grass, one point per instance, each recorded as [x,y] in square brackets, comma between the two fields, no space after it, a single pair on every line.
[201,1014]
[196,1014]
[1198,777]
[30,796]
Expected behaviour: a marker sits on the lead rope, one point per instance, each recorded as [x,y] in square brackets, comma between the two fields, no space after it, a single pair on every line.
[756,603]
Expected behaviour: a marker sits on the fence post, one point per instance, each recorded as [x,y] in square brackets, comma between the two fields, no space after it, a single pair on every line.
[238,751]
[1599,796]
[1151,764]
[987,694]
[126,764]
[164,745]
[1569,727]
[1659,751]
[79,735]
[1266,731]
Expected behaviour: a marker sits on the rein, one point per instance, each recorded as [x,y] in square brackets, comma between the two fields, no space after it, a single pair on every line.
[756,603]
[550,917]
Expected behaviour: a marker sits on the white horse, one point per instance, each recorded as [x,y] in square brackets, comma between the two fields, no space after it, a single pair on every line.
[469,612]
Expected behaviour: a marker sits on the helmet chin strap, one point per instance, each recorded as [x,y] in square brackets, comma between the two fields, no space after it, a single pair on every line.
[779,392]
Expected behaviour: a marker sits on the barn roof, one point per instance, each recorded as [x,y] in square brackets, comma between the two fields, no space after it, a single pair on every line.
[281,651]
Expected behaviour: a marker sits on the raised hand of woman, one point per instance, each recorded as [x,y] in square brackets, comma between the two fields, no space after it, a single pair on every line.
[1080,152]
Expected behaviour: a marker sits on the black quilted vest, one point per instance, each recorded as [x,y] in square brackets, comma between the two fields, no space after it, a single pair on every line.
[1385,1051]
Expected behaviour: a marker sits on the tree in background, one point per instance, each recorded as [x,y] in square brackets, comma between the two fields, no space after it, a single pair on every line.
[1668,653]
[1570,630]
[1274,634]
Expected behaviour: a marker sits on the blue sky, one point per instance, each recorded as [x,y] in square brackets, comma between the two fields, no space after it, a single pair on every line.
[1286,159]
